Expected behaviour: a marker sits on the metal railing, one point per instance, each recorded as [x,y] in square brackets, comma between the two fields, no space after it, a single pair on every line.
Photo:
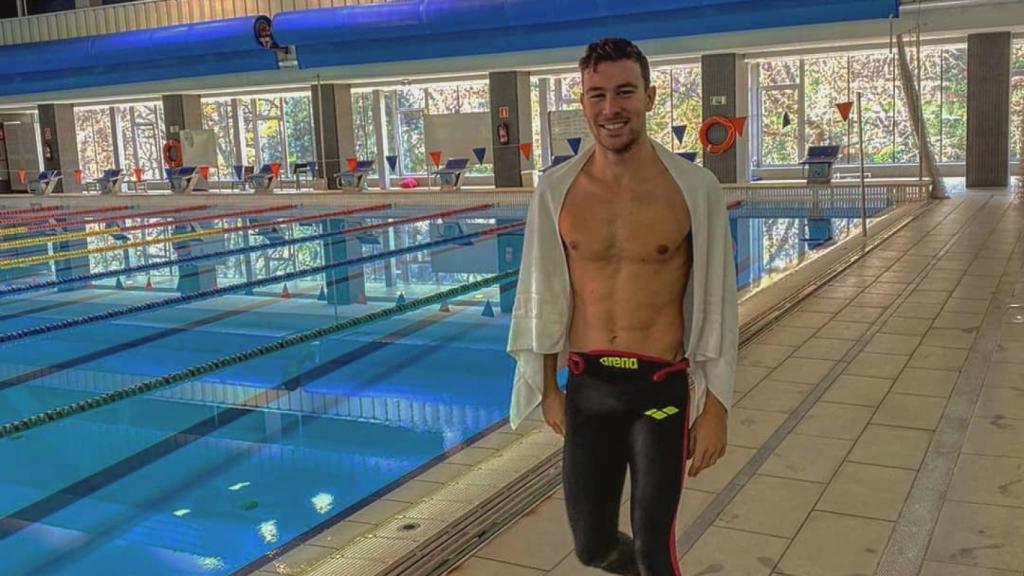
[147,14]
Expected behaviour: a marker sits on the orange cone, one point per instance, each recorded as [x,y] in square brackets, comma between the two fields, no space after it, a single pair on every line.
[284,292]
[361,299]
[445,307]
[149,283]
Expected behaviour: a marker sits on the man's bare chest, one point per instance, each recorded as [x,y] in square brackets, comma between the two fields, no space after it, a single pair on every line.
[648,228]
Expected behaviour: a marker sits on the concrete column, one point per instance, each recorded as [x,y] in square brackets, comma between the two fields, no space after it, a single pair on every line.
[344,284]
[510,93]
[724,93]
[60,144]
[510,254]
[182,112]
[333,129]
[988,109]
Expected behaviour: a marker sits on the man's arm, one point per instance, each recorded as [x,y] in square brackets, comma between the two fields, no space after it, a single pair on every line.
[553,403]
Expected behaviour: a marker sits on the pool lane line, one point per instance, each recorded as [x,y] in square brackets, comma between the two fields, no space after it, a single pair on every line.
[78,235]
[86,220]
[56,501]
[160,334]
[220,291]
[89,357]
[62,303]
[12,290]
[24,424]
[32,210]
[21,221]
[29,260]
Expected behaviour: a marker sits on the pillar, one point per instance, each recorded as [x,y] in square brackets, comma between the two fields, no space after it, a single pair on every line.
[988,109]
[60,144]
[182,112]
[510,254]
[724,88]
[333,129]
[343,284]
[510,104]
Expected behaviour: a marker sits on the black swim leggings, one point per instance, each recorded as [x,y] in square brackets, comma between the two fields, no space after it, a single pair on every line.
[623,410]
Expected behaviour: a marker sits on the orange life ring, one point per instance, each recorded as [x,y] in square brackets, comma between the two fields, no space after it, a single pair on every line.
[173,153]
[730,134]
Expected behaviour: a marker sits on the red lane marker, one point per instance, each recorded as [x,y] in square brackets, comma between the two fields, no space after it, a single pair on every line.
[317,216]
[109,217]
[26,220]
[418,218]
[5,213]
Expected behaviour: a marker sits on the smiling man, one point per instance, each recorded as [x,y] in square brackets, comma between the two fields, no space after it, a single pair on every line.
[627,277]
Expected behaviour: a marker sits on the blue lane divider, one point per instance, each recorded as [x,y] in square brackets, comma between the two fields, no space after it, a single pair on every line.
[174,378]
[6,291]
[214,292]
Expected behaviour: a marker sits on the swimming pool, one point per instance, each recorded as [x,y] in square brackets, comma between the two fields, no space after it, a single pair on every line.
[216,473]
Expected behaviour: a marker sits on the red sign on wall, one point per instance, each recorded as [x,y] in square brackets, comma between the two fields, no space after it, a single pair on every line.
[46,133]
[502,111]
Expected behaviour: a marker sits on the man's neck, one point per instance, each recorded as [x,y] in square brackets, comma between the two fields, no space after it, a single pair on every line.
[619,168]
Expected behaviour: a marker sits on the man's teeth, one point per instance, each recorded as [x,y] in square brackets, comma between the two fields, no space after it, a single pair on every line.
[615,126]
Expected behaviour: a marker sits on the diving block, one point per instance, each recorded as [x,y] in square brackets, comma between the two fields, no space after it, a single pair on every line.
[355,179]
[450,177]
[110,182]
[185,179]
[263,181]
[45,183]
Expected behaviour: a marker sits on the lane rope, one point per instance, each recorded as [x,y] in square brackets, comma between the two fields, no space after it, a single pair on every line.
[221,291]
[193,372]
[6,291]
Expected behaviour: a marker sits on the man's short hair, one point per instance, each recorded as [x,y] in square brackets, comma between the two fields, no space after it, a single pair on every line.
[613,50]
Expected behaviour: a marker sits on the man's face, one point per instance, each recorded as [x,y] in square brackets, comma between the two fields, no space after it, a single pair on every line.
[616,104]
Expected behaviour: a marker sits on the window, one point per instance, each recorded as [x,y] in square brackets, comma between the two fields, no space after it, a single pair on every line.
[780,100]
[219,116]
[277,129]
[807,89]
[365,128]
[95,141]
[1017,102]
[141,128]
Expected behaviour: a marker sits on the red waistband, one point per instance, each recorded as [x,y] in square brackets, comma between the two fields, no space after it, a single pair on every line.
[577,362]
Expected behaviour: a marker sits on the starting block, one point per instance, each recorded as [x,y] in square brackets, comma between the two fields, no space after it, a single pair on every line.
[45,183]
[186,179]
[450,177]
[263,181]
[355,180]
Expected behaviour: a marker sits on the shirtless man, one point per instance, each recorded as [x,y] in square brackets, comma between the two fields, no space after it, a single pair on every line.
[626,231]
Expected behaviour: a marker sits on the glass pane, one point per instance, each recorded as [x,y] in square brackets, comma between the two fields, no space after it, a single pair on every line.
[1017,102]
[366,136]
[569,96]
[780,72]
[414,150]
[826,85]
[778,144]
[219,116]
[298,121]
[475,97]
[659,119]
[954,104]
[443,99]
[410,98]
[95,141]
[246,107]
[872,75]
[686,95]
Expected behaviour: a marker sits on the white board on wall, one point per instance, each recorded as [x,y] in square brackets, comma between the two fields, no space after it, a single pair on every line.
[455,135]
[199,148]
[567,124]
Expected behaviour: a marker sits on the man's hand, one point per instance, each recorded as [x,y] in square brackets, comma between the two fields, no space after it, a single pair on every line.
[553,405]
[707,436]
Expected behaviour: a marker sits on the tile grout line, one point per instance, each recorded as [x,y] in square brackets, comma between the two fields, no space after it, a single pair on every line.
[905,553]
[711,512]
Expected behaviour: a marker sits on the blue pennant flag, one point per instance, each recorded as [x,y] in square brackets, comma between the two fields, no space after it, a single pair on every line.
[392,162]
[480,153]
[323,294]
[574,144]
[119,285]
[679,131]
[401,298]
[488,310]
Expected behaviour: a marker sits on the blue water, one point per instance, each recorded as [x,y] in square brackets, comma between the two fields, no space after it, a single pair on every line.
[212,475]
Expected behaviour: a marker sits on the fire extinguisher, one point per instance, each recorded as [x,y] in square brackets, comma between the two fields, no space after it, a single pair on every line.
[47,151]
[503,136]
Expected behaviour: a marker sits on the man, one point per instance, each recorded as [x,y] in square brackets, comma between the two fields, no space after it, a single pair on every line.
[627,277]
